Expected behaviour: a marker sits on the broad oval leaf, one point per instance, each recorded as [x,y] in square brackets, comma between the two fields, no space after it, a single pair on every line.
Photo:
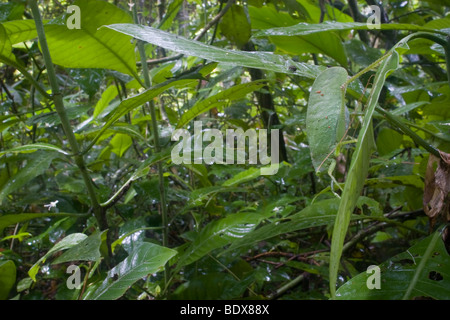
[20,30]
[6,54]
[89,46]
[87,250]
[66,243]
[147,258]
[324,43]
[326,117]
[235,26]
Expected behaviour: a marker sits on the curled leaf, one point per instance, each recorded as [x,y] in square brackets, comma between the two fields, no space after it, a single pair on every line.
[436,196]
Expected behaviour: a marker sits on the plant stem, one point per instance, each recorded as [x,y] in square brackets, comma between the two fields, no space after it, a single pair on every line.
[445,43]
[162,190]
[291,284]
[421,265]
[60,109]
[394,120]
[28,76]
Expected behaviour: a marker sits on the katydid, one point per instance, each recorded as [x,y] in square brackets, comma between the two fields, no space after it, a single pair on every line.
[327,120]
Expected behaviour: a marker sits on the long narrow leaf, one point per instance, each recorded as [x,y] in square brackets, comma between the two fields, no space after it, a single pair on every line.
[257,60]
[34,147]
[360,164]
[303,29]
[222,98]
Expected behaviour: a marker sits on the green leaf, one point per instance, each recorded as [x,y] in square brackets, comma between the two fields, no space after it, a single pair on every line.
[6,54]
[199,195]
[242,177]
[326,117]
[170,14]
[66,243]
[257,60]
[388,140]
[109,94]
[10,219]
[34,147]
[212,286]
[221,99]
[11,11]
[135,101]
[91,47]
[35,166]
[302,29]
[20,235]
[393,181]
[120,144]
[7,278]
[397,273]
[141,171]
[218,234]
[235,26]
[20,30]
[360,163]
[409,107]
[147,258]
[53,119]
[325,43]
[229,229]
[317,214]
[87,250]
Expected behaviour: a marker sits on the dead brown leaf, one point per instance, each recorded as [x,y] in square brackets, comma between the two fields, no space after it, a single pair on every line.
[436,196]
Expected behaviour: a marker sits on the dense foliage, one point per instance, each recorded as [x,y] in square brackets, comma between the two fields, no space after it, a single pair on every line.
[91,96]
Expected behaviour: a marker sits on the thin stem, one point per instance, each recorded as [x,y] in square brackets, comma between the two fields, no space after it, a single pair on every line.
[445,43]
[394,120]
[286,287]
[215,20]
[60,109]
[368,68]
[28,76]
[421,265]
[162,190]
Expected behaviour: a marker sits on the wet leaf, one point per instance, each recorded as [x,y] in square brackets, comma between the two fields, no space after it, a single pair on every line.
[146,259]
[397,273]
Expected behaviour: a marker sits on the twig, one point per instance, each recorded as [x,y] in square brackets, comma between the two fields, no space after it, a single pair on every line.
[65,123]
[154,123]
[286,287]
